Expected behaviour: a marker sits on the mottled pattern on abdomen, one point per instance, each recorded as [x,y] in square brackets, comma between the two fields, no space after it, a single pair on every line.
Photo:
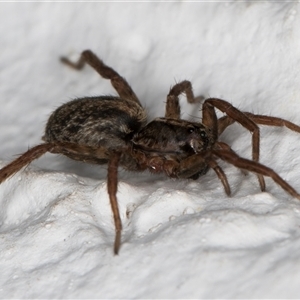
[106,121]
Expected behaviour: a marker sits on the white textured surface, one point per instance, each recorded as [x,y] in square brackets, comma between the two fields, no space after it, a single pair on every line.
[182,238]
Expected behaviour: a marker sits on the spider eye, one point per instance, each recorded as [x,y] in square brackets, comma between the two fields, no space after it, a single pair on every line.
[203,134]
[191,129]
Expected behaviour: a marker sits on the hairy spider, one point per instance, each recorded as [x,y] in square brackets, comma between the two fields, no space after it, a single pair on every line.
[114,130]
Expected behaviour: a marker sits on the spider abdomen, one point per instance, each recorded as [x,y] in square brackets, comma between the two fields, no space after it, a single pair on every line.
[106,121]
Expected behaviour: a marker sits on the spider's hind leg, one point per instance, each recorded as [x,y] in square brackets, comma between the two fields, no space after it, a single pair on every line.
[24,160]
[118,82]
[75,151]
[112,185]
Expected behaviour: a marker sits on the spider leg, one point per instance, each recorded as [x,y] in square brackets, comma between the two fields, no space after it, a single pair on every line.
[210,119]
[197,165]
[112,185]
[227,154]
[24,160]
[68,149]
[118,82]
[226,121]
[273,121]
[221,175]
[223,123]
[188,167]
[172,105]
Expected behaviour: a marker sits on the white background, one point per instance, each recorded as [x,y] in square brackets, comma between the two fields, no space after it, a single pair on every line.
[181,238]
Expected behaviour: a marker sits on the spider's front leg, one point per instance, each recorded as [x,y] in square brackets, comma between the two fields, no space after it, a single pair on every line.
[210,120]
[194,166]
[172,105]
[224,152]
[226,121]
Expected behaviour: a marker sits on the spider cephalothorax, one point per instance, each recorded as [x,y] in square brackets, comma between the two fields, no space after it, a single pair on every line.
[114,130]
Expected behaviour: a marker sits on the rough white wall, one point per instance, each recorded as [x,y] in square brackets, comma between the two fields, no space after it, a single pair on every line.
[182,238]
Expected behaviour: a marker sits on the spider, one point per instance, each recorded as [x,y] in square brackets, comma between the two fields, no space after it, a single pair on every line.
[114,131]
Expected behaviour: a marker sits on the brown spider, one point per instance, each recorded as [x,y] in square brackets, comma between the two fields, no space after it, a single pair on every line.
[113,130]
